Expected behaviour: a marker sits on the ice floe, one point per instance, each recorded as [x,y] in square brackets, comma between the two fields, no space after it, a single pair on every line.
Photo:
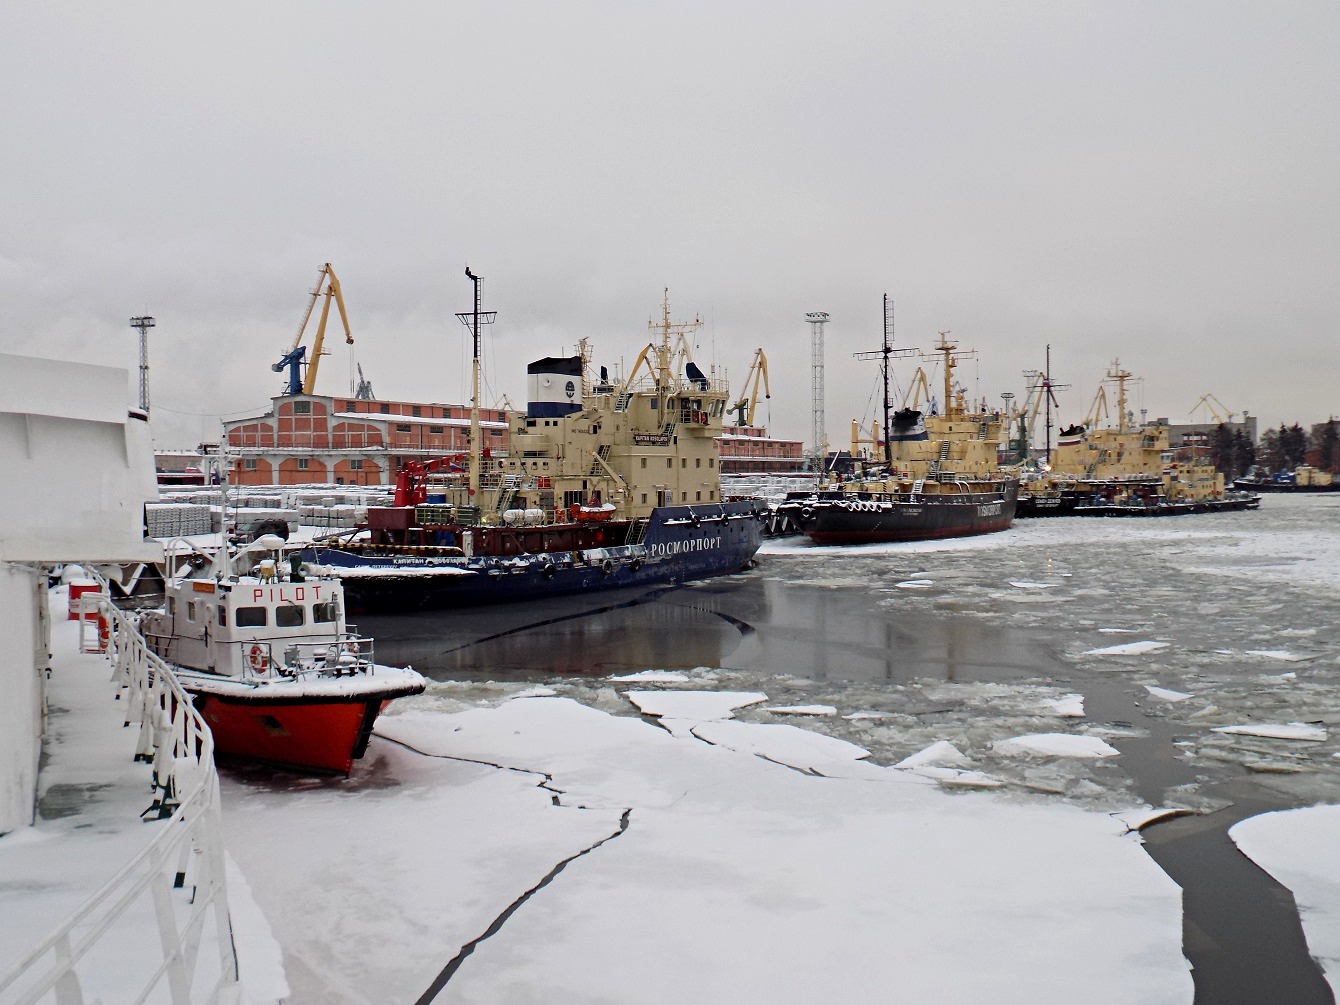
[1022,585]
[1129,649]
[654,677]
[1056,745]
[915,584]
[1278,730]
[785,744]
[801,709]
[1301,849]
[941,753]
[1166,694]
[1067,706]
[1283,655]
[697,705]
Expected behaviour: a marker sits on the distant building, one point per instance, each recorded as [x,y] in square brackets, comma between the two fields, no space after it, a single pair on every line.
[749,449]
[313,438]
[1192,434]
[78,470]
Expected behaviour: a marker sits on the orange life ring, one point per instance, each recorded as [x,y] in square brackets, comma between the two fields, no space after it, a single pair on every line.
[256,657]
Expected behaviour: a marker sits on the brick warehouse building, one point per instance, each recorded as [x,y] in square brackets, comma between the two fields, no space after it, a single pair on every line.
[313,438]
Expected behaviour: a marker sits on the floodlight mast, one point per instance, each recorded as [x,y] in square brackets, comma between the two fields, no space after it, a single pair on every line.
[143,323]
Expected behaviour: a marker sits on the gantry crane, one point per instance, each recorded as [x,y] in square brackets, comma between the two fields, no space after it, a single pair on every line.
[329,287]
[1210,401]
[748,403]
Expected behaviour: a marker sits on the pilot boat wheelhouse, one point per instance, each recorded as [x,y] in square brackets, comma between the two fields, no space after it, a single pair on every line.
[273,667]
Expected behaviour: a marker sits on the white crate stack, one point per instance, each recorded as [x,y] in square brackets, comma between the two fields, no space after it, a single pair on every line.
[173,519]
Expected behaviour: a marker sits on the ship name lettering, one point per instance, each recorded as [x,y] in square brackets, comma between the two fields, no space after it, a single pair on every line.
[989,509]
[681,547]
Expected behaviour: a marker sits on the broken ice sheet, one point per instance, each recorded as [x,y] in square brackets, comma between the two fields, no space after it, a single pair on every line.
[1067,706]
[941,753]
[1166,694]
[1129,649]
[1020,585]
[802,710]
[789,745]
[655,677]
[1282,655]
[696,705]
[1056,745]
[858,716]
[1278,730]
[915,584]
[958,777]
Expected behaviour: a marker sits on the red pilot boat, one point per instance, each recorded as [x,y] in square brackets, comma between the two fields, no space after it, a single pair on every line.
[271,664]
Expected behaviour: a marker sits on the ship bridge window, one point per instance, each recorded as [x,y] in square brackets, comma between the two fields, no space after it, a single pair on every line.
[290,616]
[251,617]
[223,616]
[190,610]
[324,614]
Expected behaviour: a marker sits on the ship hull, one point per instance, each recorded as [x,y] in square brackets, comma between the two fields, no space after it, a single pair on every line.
[314,725]
[681,543]
[1097,499]
[843,519]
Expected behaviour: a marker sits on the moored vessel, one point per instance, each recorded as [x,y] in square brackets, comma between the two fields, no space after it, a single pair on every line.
[1124,470]
[605,483]
[271,663]
[940,477]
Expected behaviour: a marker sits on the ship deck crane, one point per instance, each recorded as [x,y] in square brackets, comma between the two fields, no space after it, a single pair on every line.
[744,408]
[329,287]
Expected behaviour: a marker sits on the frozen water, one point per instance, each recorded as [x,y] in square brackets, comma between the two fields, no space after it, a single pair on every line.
[941,753]
[1166,694]
[1056,745]
[696,705]
[801,710]
[1278,730]
[1129,649]
[654,677]
[1301,849]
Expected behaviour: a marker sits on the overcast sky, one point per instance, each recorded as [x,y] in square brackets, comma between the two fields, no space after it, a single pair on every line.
[1155,182]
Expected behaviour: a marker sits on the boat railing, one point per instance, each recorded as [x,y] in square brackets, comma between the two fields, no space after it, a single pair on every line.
[178,875]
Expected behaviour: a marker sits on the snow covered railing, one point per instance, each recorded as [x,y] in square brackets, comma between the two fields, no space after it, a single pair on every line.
[180,870]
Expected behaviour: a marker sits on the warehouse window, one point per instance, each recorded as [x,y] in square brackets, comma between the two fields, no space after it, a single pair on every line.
[302,408]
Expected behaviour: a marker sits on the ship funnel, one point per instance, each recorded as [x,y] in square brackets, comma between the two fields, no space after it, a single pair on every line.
[554,387]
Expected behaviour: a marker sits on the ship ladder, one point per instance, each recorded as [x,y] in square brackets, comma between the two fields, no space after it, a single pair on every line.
[621,402]
[507,491]
[637,531]
[668,429]
[601,454]
[917,486]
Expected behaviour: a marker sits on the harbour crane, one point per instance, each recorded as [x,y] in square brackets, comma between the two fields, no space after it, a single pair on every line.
[745,407]
[329,287]
[1210,401]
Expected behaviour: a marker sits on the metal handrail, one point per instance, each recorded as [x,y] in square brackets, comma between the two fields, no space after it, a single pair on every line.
[186,851]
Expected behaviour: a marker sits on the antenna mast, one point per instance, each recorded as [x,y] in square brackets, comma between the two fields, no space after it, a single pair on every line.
[883,353]
[472,320]
[143,324]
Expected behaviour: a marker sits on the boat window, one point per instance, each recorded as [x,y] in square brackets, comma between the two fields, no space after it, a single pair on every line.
[697,462]
[251,617]
[711,462]
[644,462]
[683,462]
[669,462]
[223,616]
[190,610]
[324,614]
[290,616]
[171,606]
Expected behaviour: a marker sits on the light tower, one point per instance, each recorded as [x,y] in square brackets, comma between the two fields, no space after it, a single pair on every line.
[143,324]
[819,433]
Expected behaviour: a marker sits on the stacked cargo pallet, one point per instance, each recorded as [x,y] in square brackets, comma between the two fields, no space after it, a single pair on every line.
[174,519]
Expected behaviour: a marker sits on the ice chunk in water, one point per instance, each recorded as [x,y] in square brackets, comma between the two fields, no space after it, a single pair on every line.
[1056,745]
[1167,695]
[1129,649]
[941,753]
[1278,730]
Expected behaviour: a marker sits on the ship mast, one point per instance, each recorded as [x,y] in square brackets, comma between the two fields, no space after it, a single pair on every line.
[884,353]
[1120,376]
[472,320]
